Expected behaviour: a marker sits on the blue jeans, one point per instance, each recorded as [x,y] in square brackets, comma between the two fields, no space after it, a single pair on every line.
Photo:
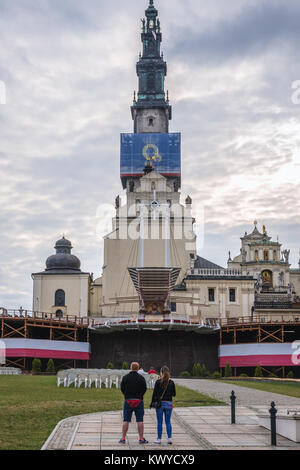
[164,411]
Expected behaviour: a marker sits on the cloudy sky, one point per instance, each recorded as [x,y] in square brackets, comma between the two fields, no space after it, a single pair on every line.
[69,72]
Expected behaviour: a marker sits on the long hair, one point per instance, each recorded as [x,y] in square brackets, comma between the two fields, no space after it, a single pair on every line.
[165,376]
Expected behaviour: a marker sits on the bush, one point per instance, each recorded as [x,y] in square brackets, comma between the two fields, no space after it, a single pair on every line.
[243,375]
[258,372]
[290,375]
[216,375]
[125,366]
[50,367]
[185,374]
[109,365]
[271,374]
[36,366]
[199,370]
[228,370]
[203,371]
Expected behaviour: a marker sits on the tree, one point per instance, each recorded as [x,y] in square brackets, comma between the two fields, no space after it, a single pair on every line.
[125,366]
[50,367]
[109,365]
[228,370]
[290,375]
[36,366]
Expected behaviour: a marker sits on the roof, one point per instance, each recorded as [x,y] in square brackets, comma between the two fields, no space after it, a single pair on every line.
[202,263]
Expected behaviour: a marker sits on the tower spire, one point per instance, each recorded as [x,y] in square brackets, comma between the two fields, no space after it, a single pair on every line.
[151,111]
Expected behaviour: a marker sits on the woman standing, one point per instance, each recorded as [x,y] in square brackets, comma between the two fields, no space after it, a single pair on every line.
[163,392]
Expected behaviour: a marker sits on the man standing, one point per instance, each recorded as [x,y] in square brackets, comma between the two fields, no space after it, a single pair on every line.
[133,387]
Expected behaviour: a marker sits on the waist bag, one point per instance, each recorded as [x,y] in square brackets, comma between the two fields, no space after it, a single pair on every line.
[133,403]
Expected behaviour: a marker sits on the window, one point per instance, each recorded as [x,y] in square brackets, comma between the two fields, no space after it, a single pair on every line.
[232,295]
[211,295]
[151,122]
[59,314]
[60,298]
[266,255]
[173,307]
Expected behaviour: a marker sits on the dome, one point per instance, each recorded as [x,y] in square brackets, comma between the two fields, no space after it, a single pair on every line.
[63,259]
[63,243]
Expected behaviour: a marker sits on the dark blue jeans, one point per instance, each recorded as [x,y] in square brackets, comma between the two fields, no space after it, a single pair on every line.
[164,411]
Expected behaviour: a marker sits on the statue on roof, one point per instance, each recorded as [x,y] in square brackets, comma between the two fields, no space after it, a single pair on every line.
[286,254]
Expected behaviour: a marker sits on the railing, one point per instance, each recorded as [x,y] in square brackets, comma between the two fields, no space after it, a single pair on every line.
[77,321]
[44,316]
[262,319]
[274,305]
[172,320]
[217,272]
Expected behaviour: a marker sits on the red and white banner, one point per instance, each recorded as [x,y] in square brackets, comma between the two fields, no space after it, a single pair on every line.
[42,348]
[260,354]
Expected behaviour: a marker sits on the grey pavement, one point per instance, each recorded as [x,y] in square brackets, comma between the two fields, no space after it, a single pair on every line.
[245,396]
[195,428]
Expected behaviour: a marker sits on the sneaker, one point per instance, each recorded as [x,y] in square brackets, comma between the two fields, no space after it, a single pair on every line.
[170,441]
[143,441]
[122,441]
[158,441]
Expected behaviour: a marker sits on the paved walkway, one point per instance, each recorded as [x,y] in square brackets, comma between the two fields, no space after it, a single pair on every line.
[245,396]
[195,428]
[200,428]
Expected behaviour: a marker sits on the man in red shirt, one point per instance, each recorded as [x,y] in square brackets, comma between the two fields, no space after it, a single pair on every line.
[152,371]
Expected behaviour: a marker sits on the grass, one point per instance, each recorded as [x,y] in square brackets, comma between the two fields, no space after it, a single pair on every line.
[284,388]
[31,406]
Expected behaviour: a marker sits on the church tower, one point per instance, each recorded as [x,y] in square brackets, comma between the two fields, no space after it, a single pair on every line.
[151,111]
[152,229]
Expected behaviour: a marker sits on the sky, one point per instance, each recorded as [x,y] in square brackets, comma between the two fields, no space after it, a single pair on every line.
[68,72]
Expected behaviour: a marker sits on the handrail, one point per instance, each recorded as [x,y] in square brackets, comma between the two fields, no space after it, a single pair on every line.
[28,315]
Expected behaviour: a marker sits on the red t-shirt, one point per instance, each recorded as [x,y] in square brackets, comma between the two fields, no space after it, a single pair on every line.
[152,371]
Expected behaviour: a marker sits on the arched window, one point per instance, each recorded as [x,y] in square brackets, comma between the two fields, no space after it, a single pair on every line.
[60,298]
[59,314]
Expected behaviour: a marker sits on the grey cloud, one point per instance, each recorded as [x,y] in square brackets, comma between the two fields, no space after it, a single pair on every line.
[70,72]
[258,26]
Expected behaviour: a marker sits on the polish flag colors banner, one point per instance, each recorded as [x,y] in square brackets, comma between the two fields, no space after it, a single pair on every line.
[262,354]
[41,348]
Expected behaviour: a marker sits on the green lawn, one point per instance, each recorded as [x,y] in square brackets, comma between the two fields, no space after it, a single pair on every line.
[284,388]
[31,406]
